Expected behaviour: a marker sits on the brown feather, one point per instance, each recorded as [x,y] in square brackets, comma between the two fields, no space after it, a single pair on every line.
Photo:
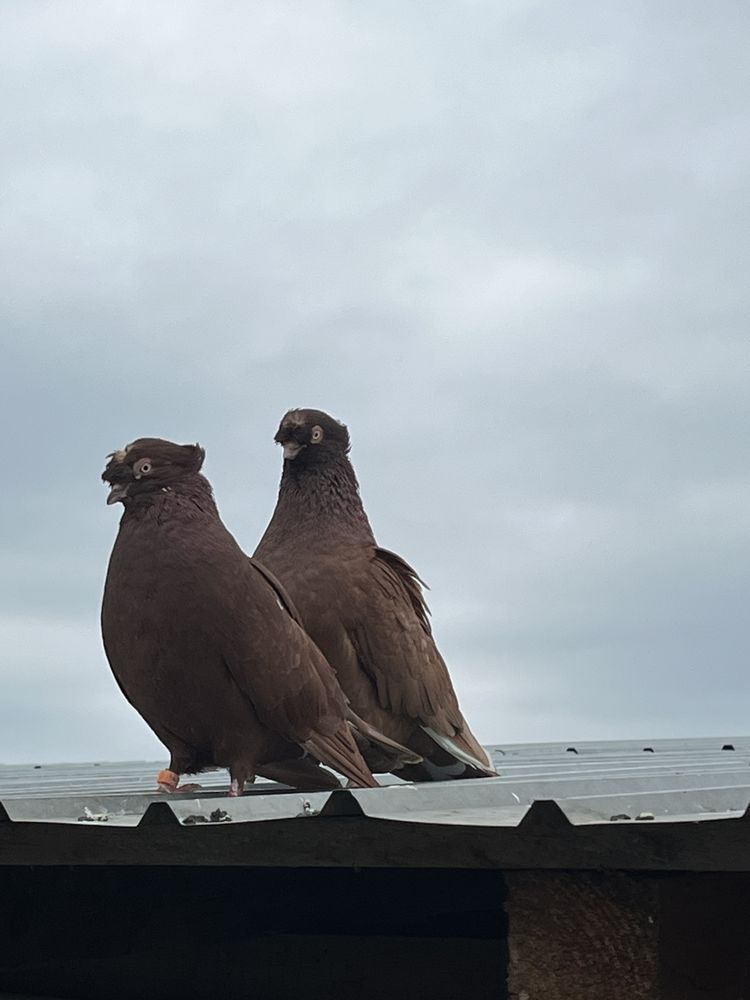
[340,750]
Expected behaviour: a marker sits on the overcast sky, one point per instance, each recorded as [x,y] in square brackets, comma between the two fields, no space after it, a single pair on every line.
[506,243]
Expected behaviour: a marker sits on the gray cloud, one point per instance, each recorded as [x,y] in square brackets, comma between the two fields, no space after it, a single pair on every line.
[507,244]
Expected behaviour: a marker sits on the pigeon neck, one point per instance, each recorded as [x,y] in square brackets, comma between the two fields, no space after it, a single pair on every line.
[323,500]
[190,498]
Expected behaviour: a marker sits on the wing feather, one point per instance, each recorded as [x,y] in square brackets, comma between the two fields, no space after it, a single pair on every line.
[395,647]
[290,684]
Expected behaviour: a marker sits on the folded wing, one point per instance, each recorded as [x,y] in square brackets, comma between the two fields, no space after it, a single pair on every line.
[394,645]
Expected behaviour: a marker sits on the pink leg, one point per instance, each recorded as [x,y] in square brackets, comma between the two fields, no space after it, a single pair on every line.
[237,785]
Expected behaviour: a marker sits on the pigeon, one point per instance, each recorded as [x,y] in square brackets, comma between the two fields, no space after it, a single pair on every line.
[363,605]
[203,641]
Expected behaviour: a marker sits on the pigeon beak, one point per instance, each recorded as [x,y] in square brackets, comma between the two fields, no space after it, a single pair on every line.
[117,492]
[292,449]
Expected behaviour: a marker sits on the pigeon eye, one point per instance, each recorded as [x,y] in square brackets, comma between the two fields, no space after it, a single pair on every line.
[317,435]
[142,468]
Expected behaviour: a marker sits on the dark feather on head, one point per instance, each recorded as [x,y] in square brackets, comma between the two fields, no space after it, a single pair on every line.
[150,464]
[312,432]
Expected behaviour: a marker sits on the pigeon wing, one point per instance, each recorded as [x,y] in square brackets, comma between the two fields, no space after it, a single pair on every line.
[291,685]
[394,645]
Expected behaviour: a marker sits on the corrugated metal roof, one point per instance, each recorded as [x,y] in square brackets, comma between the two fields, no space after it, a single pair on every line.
[591,783]
[678,805]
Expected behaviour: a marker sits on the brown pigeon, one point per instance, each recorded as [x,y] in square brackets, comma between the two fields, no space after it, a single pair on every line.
[203,641]
[363,605]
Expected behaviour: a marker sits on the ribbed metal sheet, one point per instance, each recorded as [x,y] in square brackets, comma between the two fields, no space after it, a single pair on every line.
[592,783]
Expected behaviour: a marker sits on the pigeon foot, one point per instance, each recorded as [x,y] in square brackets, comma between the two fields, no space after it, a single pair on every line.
[237,786]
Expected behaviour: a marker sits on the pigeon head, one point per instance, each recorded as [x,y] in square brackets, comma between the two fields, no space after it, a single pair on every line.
[312,436]
[149,465]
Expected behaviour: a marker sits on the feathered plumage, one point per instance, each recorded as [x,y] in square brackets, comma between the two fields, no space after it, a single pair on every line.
[363,605]
[204,643]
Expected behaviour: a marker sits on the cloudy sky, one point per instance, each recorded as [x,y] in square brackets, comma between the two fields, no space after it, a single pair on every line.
[506,243]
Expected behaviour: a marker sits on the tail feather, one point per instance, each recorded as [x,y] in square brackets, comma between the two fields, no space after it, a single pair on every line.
[452,745]
[341,752]
[395,752]
[304,773]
